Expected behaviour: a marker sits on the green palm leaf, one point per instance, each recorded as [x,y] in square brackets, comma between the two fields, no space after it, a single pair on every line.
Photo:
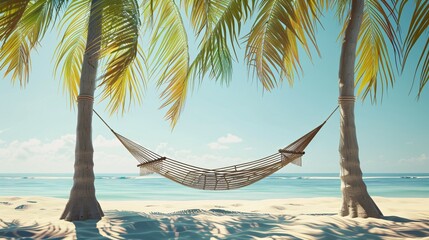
[221,22]
[39,16]
[417,31]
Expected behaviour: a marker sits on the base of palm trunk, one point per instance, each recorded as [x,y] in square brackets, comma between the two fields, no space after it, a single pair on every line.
[82,208]
[358,203]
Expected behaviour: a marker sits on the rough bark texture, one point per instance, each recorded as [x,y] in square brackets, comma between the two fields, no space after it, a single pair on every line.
[82,203]
[356,200]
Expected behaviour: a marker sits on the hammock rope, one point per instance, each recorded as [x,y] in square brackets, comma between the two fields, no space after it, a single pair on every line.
[224,178]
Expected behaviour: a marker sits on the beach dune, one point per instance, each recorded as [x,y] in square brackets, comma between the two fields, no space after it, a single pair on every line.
[298,218]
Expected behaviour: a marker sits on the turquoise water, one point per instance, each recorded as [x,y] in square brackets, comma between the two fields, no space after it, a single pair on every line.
[153,187]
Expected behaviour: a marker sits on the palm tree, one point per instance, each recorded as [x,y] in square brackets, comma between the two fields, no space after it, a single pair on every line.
[113,28]
[105,32]
[281,27]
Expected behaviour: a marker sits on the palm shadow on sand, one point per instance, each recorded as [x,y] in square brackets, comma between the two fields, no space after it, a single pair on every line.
[193,224]
[219,224]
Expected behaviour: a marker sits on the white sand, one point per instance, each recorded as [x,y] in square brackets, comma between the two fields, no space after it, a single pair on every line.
[311,218]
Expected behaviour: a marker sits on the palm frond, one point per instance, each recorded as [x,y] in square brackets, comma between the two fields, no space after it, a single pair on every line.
[272,46]
[342,9]
[127,87]
[374,66]
[26,33]
[205,15]
[11,12]
[69,52]
[39,16]
[222,28]
[171,57]
[418,32]
[307,13]
[124,73]
[202,13]
[326,4]
[15,57]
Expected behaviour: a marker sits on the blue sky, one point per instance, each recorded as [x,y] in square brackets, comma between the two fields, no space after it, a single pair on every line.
[220,125]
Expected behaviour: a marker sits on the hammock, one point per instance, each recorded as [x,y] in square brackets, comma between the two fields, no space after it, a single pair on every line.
[225,178]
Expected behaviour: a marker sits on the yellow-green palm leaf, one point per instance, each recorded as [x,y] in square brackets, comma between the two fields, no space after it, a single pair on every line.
[341,7]
[70,51]
[11,12]
[374,66]
[22,32]
[123,78]
[204,14]
[272,47]
[171,57]
[127,87]
[15,57]
[303,26]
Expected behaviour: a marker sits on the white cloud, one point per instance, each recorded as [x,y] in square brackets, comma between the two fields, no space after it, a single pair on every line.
[415,159]
[216,145]
[34,154]
[101,141]
[57,155]
[162,147]
[222,142]
[229,138]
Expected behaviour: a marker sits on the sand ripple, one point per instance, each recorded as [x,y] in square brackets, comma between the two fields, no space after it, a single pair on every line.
[275,219]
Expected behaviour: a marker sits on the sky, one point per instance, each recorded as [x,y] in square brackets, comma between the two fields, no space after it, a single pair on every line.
[221,125]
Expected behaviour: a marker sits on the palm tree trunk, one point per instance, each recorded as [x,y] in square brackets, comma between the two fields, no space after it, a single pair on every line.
[82,203]
[356,200]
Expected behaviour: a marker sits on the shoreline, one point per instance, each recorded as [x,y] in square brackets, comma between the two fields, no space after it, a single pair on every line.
[302,218]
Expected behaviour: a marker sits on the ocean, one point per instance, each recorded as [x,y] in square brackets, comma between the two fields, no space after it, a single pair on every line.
[155,187]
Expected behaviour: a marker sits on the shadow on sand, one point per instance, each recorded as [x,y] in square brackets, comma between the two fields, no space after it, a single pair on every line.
[220,224]
[16,230]
[193,224]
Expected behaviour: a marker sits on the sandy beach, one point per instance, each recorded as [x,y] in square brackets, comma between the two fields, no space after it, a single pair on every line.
[298,218]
